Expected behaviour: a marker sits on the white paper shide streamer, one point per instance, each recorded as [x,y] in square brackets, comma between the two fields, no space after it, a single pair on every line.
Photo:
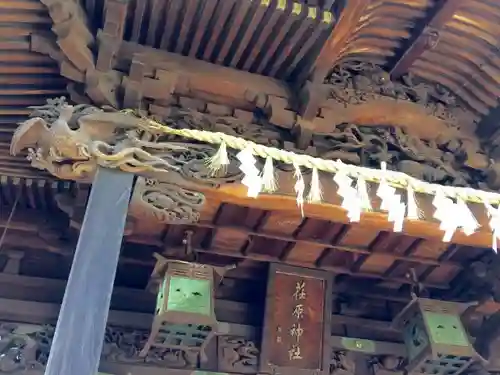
[351,201]
[385,192]
[494,215]
[468,222]
[445,213]
[391,202]
[453,216]
[362,190]
[252,179]
[451,208]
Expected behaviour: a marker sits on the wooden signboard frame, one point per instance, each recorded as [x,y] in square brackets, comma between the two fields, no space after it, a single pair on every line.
[269,355]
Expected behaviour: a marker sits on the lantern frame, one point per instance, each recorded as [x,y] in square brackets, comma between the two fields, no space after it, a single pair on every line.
[174,326]
[435,338]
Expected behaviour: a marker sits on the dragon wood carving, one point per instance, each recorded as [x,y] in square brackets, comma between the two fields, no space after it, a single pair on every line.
[165,203]
[71,142]
[356,82]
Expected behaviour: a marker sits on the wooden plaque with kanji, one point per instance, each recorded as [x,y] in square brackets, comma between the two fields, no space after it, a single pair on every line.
[297,321]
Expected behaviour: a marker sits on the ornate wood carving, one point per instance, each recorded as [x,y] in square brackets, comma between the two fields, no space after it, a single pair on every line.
[237,354]
[296,322]
[68,147]
[165,203]
[356,83]
[453,160]
[24,350]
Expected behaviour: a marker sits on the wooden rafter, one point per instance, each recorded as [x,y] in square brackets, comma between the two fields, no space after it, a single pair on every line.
[311,94]
[427,37]
[332,48]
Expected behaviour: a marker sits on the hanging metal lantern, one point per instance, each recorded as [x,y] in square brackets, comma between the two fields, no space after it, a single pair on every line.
[435,338]
[184,316]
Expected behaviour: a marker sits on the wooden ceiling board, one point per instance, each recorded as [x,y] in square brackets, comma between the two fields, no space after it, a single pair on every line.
[26,78]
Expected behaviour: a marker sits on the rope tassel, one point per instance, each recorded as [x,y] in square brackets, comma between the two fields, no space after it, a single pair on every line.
[219,161]
[299,187]
[412,212]
[315,193]
[269,183]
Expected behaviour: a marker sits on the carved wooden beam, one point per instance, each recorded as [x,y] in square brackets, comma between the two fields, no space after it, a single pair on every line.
[427,37]
[183,165]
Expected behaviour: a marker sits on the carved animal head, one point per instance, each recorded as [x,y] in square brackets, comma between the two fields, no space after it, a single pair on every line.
[66,113]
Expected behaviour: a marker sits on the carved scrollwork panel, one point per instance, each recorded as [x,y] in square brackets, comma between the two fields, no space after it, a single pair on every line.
[237,355]
[165,203]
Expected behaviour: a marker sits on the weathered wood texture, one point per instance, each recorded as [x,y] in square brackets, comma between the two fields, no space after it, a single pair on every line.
[82,320]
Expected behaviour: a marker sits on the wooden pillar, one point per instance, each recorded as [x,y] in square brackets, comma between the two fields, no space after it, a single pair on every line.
[79,334]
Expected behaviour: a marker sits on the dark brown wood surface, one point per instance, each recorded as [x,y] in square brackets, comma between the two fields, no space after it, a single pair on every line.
[297,321]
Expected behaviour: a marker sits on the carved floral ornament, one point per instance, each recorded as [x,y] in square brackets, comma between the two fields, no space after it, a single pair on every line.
[72,144]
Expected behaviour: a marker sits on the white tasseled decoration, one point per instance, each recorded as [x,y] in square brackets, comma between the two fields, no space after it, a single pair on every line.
[299,187]
[315,193]
[219,161]
[412,210]
[269,183]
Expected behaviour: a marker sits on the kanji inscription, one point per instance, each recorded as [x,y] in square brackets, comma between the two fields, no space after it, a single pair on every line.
[296,321]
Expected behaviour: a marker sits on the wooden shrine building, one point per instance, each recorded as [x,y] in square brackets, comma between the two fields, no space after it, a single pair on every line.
[267,187]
